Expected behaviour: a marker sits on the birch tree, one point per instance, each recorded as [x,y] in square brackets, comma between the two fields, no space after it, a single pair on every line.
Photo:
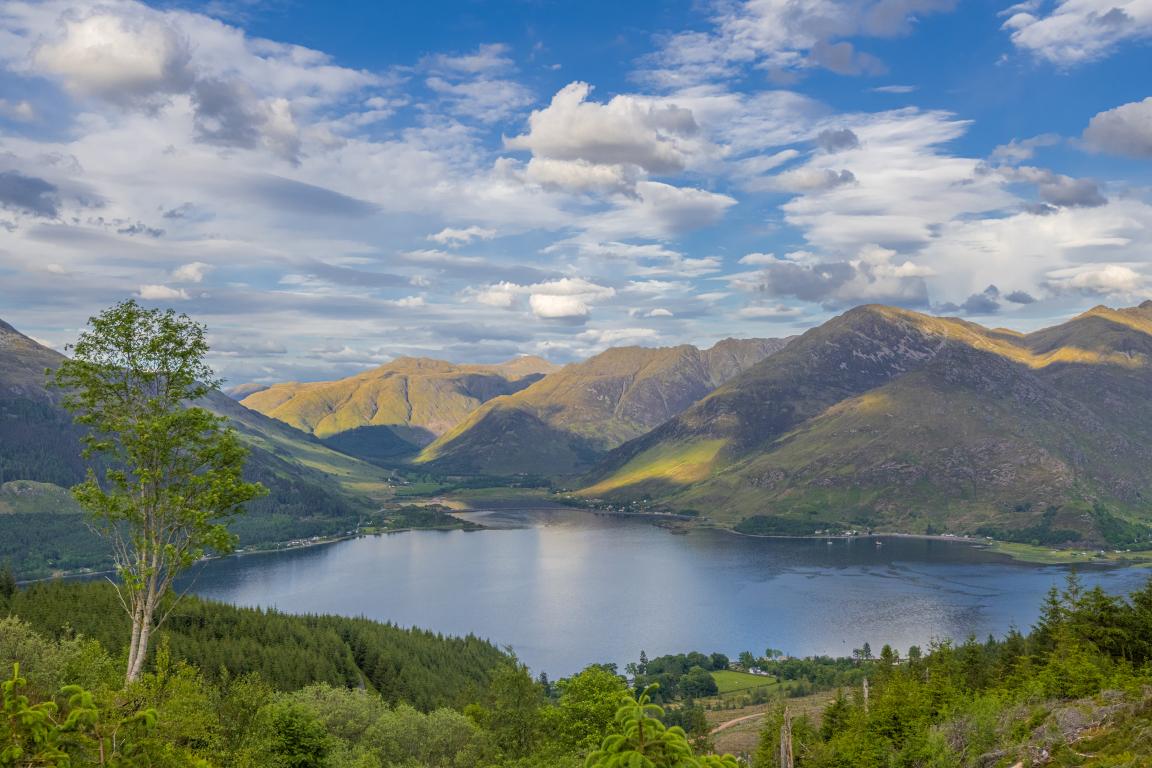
[169,473]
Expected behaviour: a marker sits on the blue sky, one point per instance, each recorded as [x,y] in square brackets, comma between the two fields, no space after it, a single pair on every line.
[330,185]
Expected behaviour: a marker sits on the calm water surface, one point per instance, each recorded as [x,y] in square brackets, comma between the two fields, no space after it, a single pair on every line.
[566,588]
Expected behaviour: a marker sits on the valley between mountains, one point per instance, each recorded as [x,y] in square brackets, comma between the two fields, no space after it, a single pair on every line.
[880,419]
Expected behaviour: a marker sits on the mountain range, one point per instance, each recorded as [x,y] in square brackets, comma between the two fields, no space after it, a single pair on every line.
[396,408]
[562,424]
[888,418]
[881,418]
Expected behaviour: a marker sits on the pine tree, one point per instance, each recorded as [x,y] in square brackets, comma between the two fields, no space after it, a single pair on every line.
[1052,617]
[7,582]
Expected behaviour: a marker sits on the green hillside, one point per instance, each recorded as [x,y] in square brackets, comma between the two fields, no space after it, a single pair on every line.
[424,669]
[314,490]
[562,424]
[890,419]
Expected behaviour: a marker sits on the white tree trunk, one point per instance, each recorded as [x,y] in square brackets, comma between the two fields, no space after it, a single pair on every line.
[145,610]
[134,643]
[141,651]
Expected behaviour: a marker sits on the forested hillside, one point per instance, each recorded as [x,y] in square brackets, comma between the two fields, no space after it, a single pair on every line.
[421,668]
[313,490]
[1077,691]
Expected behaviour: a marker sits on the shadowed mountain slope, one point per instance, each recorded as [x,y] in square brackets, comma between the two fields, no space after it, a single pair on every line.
[563,423]
[397,407]
[888,418]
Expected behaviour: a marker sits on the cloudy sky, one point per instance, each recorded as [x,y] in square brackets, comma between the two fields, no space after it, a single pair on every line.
[331,184]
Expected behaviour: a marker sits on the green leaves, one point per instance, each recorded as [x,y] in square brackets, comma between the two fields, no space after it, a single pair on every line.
[79,733]
[587,707]
[170,469]
[171,474]
[643,741]
[31,734]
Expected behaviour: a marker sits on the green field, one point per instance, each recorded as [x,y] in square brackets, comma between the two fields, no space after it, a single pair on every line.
[1048,556]
[731,681]
[419,488]
[500,493]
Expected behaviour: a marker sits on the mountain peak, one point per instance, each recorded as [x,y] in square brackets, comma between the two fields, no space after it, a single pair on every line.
[881,321]
[23,361]
[884,312]
[22,342]
[525,365]
[732,341]
[1138,318]
[1099,309]
[527,360]
[241,391]
[517,367]
[406,362]
[8,330]
[413,398]
[565,421]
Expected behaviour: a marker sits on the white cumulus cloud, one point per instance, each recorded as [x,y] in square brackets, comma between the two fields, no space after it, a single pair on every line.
[162,293]
[194,272]
[552,306]
[1098,280]
[453,237]
[567,297]
[655,135]
[125,58]
[1124,130]
[1072,32]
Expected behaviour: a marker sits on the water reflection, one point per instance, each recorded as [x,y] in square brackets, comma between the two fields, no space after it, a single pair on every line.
[566,588]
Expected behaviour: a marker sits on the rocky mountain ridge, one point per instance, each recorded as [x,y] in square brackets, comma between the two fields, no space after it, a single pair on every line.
[563,423]
[884,417]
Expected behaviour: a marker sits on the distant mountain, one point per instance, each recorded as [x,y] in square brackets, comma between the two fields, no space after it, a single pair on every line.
[314,490]
[563,423]
[22,364]
[888,418]
[241,391]
[396,408]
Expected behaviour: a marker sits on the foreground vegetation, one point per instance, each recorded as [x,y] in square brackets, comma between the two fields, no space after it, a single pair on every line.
[288,652]
[1076,691]
[240,687]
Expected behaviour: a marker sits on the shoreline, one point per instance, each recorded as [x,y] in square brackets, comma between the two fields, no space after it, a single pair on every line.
[1014,551]
[275,547]
[853,536]
[263,550]
[652,517]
